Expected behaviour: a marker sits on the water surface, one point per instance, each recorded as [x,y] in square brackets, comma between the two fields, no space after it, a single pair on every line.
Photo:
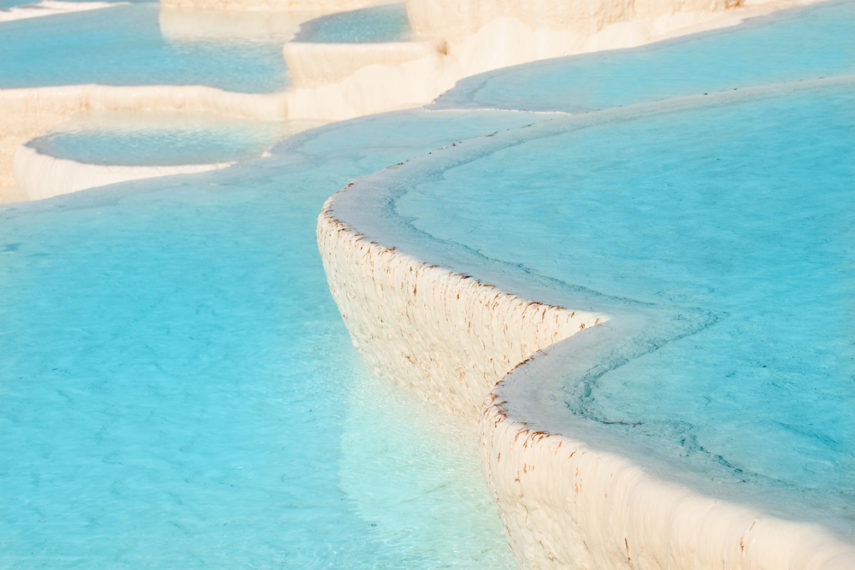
[123,45]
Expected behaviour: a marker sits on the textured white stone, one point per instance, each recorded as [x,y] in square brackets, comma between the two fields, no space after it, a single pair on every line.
[361,80]
[564,503]
[447,337]
[41,176]
[312,64]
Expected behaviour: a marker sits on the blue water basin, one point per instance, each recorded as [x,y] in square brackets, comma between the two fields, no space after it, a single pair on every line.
[162,138]
[738,215]
[123,45]
[177,388]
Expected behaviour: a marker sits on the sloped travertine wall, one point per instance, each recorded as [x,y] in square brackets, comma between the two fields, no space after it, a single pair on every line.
[41,176]
[564,503]
[445,336]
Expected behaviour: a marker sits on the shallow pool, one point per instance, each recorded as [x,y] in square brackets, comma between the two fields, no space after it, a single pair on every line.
[791,45]
[738,214]
[162,138]
[123,45]
[178,389]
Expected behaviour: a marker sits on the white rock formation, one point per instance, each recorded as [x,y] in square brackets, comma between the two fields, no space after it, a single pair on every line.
[41,176]
[455,39]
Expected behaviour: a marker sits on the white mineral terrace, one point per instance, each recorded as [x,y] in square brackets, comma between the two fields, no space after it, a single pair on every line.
[41,176]
[564,502]
[30,112]
[341,81]
[483,353]
[458,39]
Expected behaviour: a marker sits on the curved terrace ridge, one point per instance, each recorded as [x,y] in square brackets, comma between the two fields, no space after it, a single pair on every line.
[570,490]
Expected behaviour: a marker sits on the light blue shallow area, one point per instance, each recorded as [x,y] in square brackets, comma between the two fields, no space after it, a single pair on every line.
[742,211]
[160,138]
[377,24]
[798,44]
[123,45]
[177,388]
[7,4]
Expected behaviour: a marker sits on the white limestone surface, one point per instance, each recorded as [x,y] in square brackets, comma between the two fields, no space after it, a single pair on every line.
[342,81]
[312,64]
[187,25]
[27,113]
[41,176]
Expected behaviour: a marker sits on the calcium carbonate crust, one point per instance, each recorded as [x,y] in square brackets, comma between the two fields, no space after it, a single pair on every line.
[445,336]
[480,352]
[41,176]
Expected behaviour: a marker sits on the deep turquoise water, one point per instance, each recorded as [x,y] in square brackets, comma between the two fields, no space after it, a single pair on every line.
[161,138]
[123,45]
[798,44]
[385,23]
[178,389]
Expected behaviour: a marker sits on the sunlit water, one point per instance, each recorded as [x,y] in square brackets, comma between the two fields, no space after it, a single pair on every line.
[792,45]
[123,45]
[179,390]
[162,138]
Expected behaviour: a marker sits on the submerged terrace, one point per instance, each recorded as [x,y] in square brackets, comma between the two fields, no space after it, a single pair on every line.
[179,388]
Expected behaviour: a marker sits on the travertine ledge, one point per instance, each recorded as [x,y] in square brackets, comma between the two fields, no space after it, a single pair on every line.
[41,176]
[564,502]
[445,336]
[30,112]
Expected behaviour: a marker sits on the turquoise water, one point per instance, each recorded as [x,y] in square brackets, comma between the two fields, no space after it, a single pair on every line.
[386,23]
[742,212]
[178,389]
[6,4]
[161,138]
[123,45]
[799,44]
